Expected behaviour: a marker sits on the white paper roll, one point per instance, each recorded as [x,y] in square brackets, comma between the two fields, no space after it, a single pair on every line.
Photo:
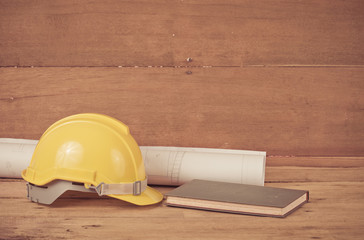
[175,166]
[170,166]
[15,156]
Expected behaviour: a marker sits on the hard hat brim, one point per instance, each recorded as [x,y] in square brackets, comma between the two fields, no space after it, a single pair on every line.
[148,197]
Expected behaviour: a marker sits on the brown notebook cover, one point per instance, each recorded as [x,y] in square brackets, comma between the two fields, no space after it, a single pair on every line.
[237,198]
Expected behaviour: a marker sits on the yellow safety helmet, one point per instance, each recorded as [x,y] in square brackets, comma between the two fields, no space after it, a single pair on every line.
[89,153]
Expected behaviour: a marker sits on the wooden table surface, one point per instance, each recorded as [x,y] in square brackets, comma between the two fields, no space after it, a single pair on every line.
[335,210]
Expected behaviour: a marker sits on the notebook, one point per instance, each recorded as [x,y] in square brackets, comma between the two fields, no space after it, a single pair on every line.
[237,198]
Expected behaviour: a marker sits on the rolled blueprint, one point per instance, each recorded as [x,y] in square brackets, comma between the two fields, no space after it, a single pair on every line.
[169,166]
[15,156]
[174,166]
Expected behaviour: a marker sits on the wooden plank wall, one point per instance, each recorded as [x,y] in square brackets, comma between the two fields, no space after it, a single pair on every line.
[166,33]
[286,77]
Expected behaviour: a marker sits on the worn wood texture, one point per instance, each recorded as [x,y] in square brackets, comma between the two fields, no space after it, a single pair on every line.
[166,33]
[308,102]
[335,211]
[326,162]
[284,111]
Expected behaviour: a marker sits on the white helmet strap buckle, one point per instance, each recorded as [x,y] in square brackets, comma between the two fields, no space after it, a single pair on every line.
[135,188]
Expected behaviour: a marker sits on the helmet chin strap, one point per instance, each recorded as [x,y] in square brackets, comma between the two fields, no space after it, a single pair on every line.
[135,188]
[47,194]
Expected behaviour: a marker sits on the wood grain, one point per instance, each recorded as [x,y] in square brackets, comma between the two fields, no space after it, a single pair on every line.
[315,174]
[334,210]
[325,162]
[284,111]
[166,33]
[280,76]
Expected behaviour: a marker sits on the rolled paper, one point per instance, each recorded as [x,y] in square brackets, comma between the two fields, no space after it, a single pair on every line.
[15,155]
[168,166]
[174,166]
